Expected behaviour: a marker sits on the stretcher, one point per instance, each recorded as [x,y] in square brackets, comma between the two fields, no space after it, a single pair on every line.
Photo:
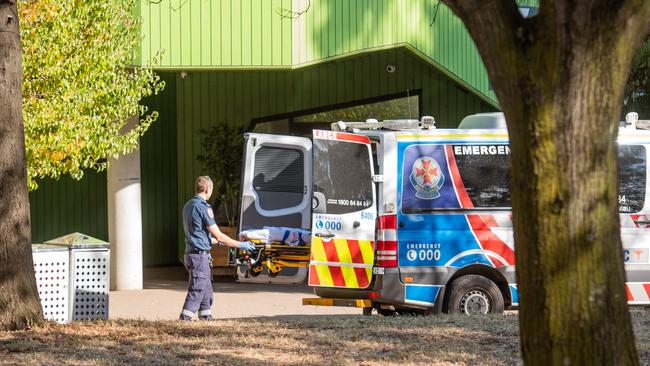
[274,256]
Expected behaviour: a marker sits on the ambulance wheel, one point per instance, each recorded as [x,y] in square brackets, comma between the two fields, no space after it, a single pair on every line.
[474,294]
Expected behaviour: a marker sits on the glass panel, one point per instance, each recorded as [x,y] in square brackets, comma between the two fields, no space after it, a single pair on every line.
[280,126]
[631,178]
[342,173]
[407,107]
[433,175]
[484,170]
[278,177]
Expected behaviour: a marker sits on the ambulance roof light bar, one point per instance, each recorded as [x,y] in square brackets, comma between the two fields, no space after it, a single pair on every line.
[389,124]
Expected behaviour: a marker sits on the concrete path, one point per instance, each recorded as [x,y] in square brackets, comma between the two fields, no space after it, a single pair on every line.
[165,289]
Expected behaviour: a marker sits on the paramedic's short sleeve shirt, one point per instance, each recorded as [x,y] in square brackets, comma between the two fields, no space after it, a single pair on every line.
[207,214]
[197,217]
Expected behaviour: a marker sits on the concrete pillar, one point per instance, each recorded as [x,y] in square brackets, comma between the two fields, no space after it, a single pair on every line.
[125,222]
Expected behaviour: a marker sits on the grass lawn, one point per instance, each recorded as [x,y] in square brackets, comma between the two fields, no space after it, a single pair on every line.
[300,340]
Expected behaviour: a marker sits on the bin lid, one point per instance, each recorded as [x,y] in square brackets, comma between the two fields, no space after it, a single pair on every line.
[47,248]
[78,240]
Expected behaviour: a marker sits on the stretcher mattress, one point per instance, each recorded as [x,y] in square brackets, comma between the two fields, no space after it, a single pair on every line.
[278,235]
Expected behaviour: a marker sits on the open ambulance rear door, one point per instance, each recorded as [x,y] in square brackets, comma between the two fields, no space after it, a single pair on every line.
[276,190]
[276,182]
[344,213]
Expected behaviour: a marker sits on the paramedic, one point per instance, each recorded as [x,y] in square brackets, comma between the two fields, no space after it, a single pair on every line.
[201,231]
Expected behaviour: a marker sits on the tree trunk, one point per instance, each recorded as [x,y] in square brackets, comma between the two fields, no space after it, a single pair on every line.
[570,272]
[560,78]
[19,303]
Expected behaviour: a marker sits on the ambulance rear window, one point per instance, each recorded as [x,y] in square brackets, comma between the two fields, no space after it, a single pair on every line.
[342,173]
[631,178]
[278,177]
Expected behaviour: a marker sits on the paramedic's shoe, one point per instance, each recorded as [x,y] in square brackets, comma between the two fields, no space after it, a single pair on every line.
[207,318]
[184,318]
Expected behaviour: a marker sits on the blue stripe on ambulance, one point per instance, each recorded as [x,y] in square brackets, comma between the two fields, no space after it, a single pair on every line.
[421,294]
[437,240]
[514,294]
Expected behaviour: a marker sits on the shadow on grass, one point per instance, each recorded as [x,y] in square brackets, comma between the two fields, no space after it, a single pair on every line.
[285,340]
[282,340]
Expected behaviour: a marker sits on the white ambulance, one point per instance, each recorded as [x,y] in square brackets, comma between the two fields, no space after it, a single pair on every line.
[408,218]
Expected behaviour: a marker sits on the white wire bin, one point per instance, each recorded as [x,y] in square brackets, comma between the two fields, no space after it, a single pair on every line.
[52,269]
[90,284]
[89,276]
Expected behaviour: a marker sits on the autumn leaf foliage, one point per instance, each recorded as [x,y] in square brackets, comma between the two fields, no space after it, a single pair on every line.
[78,88]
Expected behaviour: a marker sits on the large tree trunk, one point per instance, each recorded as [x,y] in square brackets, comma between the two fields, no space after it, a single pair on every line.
[19,303]
[560,78]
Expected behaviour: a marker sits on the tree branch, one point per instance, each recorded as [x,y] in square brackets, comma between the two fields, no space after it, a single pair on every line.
[633,15]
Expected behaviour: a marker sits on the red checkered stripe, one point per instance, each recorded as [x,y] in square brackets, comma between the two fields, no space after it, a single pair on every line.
[638,292]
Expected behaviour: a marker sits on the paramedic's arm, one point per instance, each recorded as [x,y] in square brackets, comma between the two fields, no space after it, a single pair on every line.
[221,237]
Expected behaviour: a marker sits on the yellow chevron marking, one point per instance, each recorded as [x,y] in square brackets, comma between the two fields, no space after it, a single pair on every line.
[318,250]
[367,251]
[318,254]
[343,252]
[324,276]
[350,277]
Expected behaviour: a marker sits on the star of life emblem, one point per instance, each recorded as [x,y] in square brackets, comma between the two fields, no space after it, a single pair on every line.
[427,178]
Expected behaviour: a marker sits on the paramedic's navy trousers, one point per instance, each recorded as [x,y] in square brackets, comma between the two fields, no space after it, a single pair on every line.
[199,290]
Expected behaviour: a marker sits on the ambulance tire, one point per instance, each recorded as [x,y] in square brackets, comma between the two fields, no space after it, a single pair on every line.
[474,294]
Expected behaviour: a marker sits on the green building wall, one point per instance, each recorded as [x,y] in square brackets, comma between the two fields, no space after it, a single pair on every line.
[263,34]
[65,206]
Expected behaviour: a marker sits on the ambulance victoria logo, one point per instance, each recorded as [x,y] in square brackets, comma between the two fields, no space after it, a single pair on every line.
[426,177]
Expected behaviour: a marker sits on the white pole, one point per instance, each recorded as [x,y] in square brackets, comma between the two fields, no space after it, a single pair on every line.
[125,222]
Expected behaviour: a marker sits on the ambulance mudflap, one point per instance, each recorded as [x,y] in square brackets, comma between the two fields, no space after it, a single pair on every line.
[344,213]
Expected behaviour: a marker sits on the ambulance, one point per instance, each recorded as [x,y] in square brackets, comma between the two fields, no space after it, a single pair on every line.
[407,218]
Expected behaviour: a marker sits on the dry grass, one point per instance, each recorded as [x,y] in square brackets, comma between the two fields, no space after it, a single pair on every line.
[341,340]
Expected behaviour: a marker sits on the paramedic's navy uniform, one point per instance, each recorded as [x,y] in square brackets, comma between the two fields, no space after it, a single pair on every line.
[197,217]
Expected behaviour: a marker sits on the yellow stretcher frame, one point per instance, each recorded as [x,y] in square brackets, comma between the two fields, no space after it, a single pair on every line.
[276,260]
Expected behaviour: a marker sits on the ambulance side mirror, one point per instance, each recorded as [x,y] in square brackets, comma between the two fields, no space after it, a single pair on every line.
[318,203]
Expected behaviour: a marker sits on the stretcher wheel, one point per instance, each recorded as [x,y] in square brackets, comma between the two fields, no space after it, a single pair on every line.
[274,271]
[256,270]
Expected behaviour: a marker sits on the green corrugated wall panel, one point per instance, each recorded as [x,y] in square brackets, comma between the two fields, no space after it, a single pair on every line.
[253,33]
[208,98]
[60,207]
[158,171]
[207,33]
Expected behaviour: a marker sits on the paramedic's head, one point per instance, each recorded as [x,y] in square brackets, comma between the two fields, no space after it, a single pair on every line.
[203,186]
